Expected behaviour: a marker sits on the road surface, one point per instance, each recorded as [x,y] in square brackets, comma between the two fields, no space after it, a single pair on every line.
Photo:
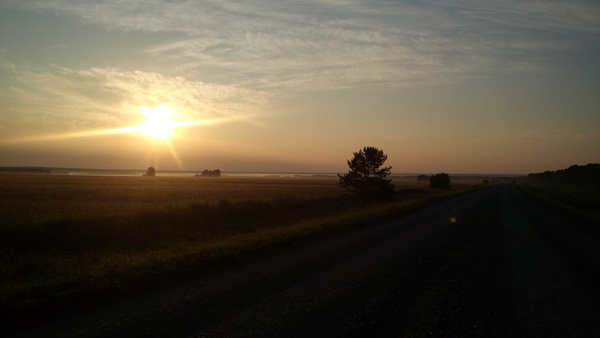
[491,263]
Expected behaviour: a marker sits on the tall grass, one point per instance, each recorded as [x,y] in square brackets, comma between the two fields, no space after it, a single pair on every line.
[100,252]
[579,199]
[154,229]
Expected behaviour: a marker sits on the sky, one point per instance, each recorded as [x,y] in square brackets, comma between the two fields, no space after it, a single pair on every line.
[455,86]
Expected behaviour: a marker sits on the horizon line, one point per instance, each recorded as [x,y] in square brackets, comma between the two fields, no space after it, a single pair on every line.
[2,168]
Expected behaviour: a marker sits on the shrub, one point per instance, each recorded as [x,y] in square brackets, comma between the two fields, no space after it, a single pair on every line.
[440,181]
[150,172]
[210,173]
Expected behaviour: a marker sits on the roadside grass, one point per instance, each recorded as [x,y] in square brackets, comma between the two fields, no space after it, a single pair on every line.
[57,261]
[575,199]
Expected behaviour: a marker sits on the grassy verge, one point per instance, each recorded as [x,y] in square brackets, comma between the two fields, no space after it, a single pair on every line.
[579,200]
[56,262]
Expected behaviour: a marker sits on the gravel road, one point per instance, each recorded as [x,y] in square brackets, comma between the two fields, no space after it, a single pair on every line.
[491,263]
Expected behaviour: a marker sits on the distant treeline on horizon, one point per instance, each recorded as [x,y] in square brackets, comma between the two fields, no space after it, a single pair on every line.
[27,170]
[579,175]
[575,174]
[137,172]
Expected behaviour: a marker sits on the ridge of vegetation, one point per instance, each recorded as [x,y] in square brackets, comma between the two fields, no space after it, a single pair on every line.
[575,189]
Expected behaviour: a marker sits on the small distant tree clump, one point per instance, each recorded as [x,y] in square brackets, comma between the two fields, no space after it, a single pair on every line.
[150,172]
[366,177]
[210,173]
[440,181]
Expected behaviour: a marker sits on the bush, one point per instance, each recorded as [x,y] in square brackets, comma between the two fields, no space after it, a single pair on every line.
[440,181]
[210,173]
[150,172]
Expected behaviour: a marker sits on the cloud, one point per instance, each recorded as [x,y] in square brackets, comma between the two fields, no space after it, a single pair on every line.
[314,45]
[108,97]
[276,50]
[546,15]
[293,47]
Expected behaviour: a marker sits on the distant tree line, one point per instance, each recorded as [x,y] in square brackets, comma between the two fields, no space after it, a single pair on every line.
[210,173]
[26,170]
[576,175]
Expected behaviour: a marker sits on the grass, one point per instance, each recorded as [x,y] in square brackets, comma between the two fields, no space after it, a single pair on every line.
[576,199]
[66,237]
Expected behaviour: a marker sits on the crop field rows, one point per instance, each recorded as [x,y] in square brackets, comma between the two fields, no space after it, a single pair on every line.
[38,198]
[106,233]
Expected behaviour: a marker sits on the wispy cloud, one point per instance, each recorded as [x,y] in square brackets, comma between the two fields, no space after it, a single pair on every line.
[222,57]
[303,46]
[545,15]
[108,98]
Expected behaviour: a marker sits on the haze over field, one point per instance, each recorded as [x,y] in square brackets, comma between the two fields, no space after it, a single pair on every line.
[459,86]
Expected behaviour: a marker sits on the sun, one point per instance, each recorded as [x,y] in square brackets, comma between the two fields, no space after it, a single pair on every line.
[159,122]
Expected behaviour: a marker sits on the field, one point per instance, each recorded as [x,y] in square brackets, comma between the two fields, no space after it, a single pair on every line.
[64,237]
[37,198]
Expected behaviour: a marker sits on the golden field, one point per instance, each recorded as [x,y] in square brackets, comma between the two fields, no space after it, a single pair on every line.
[66,237]
[26,198]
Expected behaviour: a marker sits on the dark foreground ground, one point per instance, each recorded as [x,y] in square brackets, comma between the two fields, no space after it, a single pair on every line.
[491,263]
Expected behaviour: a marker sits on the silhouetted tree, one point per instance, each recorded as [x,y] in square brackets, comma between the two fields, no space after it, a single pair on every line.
[440,181]
[150,172]
[210,173]
[366,177]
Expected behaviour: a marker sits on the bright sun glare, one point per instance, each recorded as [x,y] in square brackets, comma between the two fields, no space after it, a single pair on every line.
[159,122]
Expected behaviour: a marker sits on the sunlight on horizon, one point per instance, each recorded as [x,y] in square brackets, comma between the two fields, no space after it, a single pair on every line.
[159,122]
[158,128]
[159,125]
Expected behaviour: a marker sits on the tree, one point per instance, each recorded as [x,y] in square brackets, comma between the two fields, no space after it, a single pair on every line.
[587,175]
[440,181]
[366,177]
[210,173]
[150,172]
